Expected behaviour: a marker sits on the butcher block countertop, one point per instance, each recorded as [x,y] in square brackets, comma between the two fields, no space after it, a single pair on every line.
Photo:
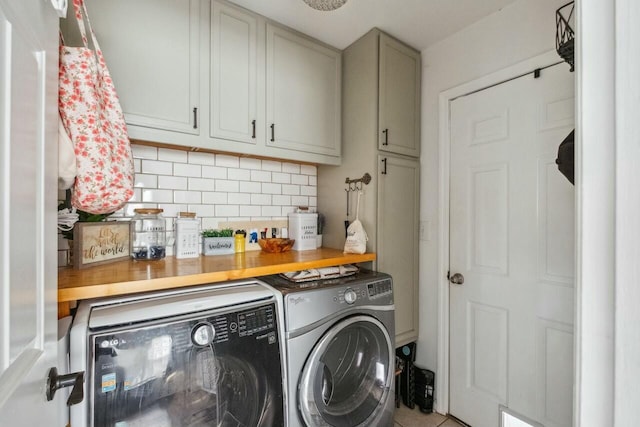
[128,276]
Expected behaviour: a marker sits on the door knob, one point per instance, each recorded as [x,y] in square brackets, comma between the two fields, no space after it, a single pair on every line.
[56,382]
[457,279]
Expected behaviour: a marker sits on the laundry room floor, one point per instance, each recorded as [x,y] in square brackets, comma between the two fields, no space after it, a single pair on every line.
[405,417]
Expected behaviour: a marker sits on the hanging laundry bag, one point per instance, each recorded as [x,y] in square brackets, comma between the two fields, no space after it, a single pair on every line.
[357,238]
[92,116]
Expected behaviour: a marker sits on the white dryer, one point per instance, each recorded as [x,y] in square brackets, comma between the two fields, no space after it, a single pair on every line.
[340,350]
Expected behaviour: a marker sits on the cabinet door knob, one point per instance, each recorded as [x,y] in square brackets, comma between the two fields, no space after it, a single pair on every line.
[195,117]
[273,132]
[386,137]
[253,129]
[384,164]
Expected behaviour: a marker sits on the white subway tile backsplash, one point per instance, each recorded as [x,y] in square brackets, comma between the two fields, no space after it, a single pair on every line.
[249,163]
[227,161]
[238,174]
[218,187]
[281,200]
[250,187]
[281,178]
[187,197]
[300,201]
[292,190]
[201,184]
[146,181]
[250,211]
[214,198]
[260,176]
[307,190]
[172,182]
[239,199]
[202,158]
[157,196]
[313,202]
[144,152]
[268,188]
[308,170]
[228,186]
[269,211]
[300,179]
[182,169]
[291,168]
[214,172]
[260,199]
[271,165]
[227,210]
[157,167]
[169,155]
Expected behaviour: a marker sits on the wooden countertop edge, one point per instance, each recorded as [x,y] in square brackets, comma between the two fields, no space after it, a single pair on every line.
[80,292]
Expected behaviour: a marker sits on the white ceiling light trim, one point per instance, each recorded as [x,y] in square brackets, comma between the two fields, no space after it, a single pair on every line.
[325,5]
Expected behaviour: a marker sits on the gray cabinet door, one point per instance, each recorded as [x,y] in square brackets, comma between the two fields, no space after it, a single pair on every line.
[397,240]
[234,72]
[303,94]
[152,49]
[399,98]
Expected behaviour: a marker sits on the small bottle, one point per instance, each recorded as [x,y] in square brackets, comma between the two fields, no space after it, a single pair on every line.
[239,240]
[148,234]
[187,229]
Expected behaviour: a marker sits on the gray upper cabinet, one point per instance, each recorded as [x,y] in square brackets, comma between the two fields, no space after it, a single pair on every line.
[255,88]
[303,93]
[153,52]
[399,98]
[234,75]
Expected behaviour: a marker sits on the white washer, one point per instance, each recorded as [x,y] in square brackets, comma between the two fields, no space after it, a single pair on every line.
[340,350]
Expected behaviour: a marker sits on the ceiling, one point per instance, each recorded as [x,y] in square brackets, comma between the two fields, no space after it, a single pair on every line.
[419,23]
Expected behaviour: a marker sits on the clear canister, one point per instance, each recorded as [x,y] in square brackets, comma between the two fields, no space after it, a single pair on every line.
[148,234]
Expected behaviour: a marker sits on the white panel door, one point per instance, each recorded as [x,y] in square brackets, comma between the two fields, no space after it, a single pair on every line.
[512,238]
[303,94]
[28,176]
[234,72]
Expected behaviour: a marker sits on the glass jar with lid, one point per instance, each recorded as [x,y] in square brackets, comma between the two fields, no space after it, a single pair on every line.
[148,234]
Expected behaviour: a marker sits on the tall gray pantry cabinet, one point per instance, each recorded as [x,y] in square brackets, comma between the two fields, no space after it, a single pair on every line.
[381,136]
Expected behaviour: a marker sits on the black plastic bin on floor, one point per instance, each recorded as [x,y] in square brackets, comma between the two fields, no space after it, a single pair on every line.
[424,384]
[406,384]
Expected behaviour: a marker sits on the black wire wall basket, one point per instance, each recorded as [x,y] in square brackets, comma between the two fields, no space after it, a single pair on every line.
[565,34]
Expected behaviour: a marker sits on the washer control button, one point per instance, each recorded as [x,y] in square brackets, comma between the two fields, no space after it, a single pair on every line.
[350,296]
[203,334]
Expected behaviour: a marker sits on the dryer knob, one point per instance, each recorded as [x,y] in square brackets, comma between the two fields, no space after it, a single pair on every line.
[350,296]
[203,334]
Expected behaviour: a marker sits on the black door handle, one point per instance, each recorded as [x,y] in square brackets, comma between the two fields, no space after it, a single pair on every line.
[253,130]
[273,132]
[384,163]
[56,382]
[195,117]
[386,137]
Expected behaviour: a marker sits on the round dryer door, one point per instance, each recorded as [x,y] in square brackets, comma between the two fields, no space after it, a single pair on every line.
[347,378]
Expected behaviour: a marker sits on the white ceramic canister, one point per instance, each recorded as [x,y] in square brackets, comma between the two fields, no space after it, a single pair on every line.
[187,229]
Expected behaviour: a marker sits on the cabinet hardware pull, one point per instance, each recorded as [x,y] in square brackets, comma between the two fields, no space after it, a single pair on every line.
[253,131]
[273,132]
[195,117]
[386,137]
[384,162]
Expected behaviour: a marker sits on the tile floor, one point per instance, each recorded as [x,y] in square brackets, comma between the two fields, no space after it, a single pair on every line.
[406,417]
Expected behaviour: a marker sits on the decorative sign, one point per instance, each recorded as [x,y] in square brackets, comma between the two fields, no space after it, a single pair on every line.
[99,242]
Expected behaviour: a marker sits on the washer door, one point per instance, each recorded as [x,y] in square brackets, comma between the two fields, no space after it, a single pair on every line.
[347,378]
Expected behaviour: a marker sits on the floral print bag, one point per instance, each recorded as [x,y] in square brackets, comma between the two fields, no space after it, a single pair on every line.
[92,116]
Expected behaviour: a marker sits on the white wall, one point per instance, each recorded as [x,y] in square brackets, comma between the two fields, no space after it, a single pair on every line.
[520,31]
